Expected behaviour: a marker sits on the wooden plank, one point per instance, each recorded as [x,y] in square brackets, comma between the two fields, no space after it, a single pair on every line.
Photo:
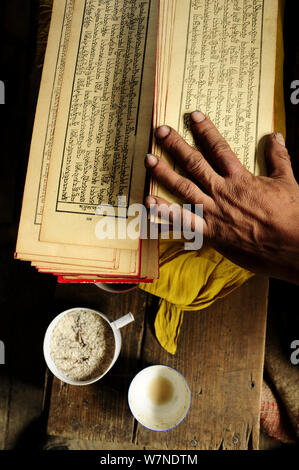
[220,352]
[22,327]
[4,409]
[24,414]
[100,411]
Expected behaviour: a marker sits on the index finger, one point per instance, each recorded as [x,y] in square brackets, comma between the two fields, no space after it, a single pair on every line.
[214,144]
[188,158]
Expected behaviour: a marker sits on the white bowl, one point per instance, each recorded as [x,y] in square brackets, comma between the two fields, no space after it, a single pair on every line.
[116,288]
[117,337]
[159,412]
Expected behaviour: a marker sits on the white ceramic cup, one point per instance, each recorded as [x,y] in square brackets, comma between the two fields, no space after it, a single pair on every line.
[168,414]
[116,288]
[115,325]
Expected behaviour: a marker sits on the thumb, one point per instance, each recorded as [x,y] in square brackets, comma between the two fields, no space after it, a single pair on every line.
[277,157]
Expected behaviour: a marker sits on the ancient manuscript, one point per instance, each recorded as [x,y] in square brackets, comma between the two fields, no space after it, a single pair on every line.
[113,70]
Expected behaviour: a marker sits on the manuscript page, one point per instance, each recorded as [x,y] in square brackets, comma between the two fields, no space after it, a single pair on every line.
[41,146]
[223,63]
[103,121]
[121,269]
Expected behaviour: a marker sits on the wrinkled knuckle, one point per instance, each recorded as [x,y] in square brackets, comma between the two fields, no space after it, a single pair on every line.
[184,188]
[283,154]
[219,148]
[205,131]
[173,143]
[194,164]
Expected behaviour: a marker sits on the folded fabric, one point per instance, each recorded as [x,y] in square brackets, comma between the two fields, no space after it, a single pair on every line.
[274,420]
[189,280]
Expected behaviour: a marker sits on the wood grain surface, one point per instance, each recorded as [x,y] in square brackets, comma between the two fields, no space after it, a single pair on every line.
[220,352]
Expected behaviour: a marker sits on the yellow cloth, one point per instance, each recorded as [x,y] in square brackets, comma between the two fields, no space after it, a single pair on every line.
[189,280]
[193,280]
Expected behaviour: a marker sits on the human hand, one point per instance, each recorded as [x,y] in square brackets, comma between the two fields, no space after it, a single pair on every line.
[252,220]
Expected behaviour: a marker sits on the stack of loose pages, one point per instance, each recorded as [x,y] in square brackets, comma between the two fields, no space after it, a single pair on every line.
[217,57]
[91,134]
[112,69]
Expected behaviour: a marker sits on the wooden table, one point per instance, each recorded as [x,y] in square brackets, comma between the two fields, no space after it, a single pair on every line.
[220,352]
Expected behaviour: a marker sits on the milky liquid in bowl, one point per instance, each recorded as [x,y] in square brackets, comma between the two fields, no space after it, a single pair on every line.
[159,397]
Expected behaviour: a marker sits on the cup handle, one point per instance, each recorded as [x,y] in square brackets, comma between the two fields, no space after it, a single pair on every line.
[123,321]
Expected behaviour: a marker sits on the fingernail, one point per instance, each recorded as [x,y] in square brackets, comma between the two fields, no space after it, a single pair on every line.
[279,138]
[150,161]
[197,116]
[162,132]
[150,200]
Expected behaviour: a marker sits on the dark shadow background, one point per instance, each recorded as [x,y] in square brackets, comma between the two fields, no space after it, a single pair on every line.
[25,296]
[283,296]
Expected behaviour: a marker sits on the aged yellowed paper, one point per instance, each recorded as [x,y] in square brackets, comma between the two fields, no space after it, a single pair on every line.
[128,266]
[111,264]
[103,121]
[69,268]
[223,63]
[28,246]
